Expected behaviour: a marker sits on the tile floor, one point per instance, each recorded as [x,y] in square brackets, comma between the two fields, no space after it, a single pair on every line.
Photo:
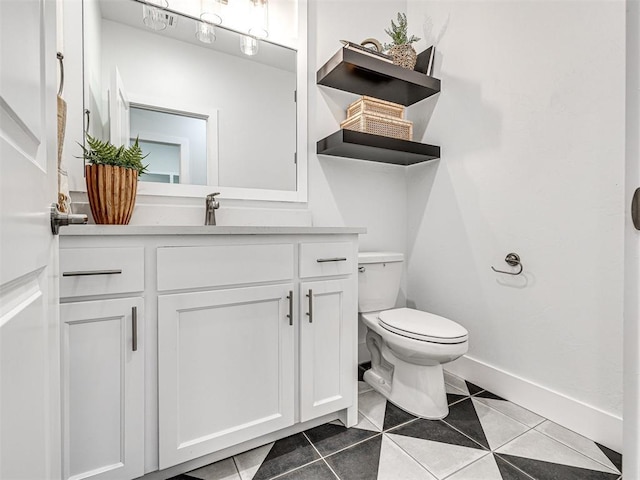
[484,438]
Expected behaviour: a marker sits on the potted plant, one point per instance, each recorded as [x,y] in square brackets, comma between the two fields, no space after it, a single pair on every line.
[400,48]
[112,175]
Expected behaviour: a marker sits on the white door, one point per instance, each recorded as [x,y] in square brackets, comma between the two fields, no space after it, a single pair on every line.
[119,119]
[226,369]
[328,331]
[103,389]
[631,414]
[29,344]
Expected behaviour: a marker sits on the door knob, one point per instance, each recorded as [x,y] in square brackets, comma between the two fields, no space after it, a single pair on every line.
[59,219]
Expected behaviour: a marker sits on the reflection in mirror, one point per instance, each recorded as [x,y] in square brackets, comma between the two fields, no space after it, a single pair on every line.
[206,113]
[176,145]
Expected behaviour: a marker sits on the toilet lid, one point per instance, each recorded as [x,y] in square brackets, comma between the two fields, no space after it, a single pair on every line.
[422,326]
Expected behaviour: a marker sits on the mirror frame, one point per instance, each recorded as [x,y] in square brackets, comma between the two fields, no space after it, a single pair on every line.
[300,195]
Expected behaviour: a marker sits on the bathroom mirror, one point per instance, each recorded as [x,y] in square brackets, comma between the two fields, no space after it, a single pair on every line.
[210,116]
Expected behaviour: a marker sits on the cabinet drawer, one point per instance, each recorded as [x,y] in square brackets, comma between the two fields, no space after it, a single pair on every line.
[219,265]
[101,271]
[326,259]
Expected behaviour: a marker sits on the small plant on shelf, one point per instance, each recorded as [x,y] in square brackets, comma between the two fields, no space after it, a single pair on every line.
[112,175]
[400,48]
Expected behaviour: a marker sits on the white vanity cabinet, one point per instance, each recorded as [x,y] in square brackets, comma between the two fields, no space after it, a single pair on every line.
[326,347]
[102,345]
[237,355]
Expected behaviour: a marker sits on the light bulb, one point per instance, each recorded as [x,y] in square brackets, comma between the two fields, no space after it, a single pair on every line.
[248,45]
[205,32]
[153,15]
[259,19]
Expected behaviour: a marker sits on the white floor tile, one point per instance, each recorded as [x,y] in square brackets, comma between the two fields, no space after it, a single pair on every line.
[457,382]
[441,459]
[483,469]
[364,387]
[455,390]
[396,464]
[373,405]
[222,470]
[249,462]
[537,446]
[577,442]
[514,411]
[498,428]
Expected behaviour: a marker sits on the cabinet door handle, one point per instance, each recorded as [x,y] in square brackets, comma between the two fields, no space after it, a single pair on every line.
[310,312]
[334,259]
[134,329]
[290,315]
[91,272]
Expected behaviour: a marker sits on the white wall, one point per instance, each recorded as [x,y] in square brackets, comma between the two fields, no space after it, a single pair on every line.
[531,124]
[344,191]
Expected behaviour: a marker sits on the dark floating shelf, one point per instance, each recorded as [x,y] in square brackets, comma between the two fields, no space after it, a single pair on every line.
[366,146]
[355,72]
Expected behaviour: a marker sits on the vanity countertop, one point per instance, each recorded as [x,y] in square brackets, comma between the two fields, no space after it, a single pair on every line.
[121,230]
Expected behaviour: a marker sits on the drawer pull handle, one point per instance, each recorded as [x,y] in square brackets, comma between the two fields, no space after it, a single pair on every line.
[334,259]
[290,315]
[91,272]
[134,329]
[310,312]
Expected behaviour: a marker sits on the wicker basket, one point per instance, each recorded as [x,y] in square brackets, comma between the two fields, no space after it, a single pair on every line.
[379,125]
[376,107]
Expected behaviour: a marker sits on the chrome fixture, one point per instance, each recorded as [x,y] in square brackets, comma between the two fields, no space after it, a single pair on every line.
[211,205]
[512,259]
[59,219]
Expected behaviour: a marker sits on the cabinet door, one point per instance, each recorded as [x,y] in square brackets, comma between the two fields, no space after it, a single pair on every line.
[226,371]
[328,327]
[103,389]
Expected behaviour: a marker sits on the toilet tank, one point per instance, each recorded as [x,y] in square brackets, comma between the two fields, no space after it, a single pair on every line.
[379,275]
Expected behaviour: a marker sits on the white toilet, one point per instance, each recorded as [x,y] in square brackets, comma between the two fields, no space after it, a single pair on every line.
[407,346]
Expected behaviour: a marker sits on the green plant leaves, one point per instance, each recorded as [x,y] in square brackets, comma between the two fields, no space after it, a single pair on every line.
[398,32]
[105,153]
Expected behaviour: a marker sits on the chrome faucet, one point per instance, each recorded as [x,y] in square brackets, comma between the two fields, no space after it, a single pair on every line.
[211,206]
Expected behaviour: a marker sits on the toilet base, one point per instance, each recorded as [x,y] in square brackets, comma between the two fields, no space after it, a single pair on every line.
[417,389]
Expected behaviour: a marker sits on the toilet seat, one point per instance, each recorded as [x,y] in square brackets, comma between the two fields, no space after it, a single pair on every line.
[423,326]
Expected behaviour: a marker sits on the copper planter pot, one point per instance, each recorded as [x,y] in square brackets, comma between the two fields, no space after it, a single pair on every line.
[112,193]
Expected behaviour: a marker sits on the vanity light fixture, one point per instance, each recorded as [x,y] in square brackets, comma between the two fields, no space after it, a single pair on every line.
[258,19]
[210,17]
[248,45]
[154,15]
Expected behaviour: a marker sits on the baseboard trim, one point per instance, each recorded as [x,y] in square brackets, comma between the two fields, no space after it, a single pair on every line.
[603,427]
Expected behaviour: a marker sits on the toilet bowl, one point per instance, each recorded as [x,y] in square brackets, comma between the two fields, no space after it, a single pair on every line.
[408,347]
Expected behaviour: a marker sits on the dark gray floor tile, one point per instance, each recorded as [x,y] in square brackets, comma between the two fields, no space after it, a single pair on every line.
[473,389]
[486,394]
[508,471]
[463,416]
[453,398]
[554,471]
[394,416]
[612,455]
[286,454]
[314,471]
[329,438]
[359,462]
[437,431]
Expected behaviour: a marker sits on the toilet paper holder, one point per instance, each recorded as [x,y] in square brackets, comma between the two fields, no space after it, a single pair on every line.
[512,259]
